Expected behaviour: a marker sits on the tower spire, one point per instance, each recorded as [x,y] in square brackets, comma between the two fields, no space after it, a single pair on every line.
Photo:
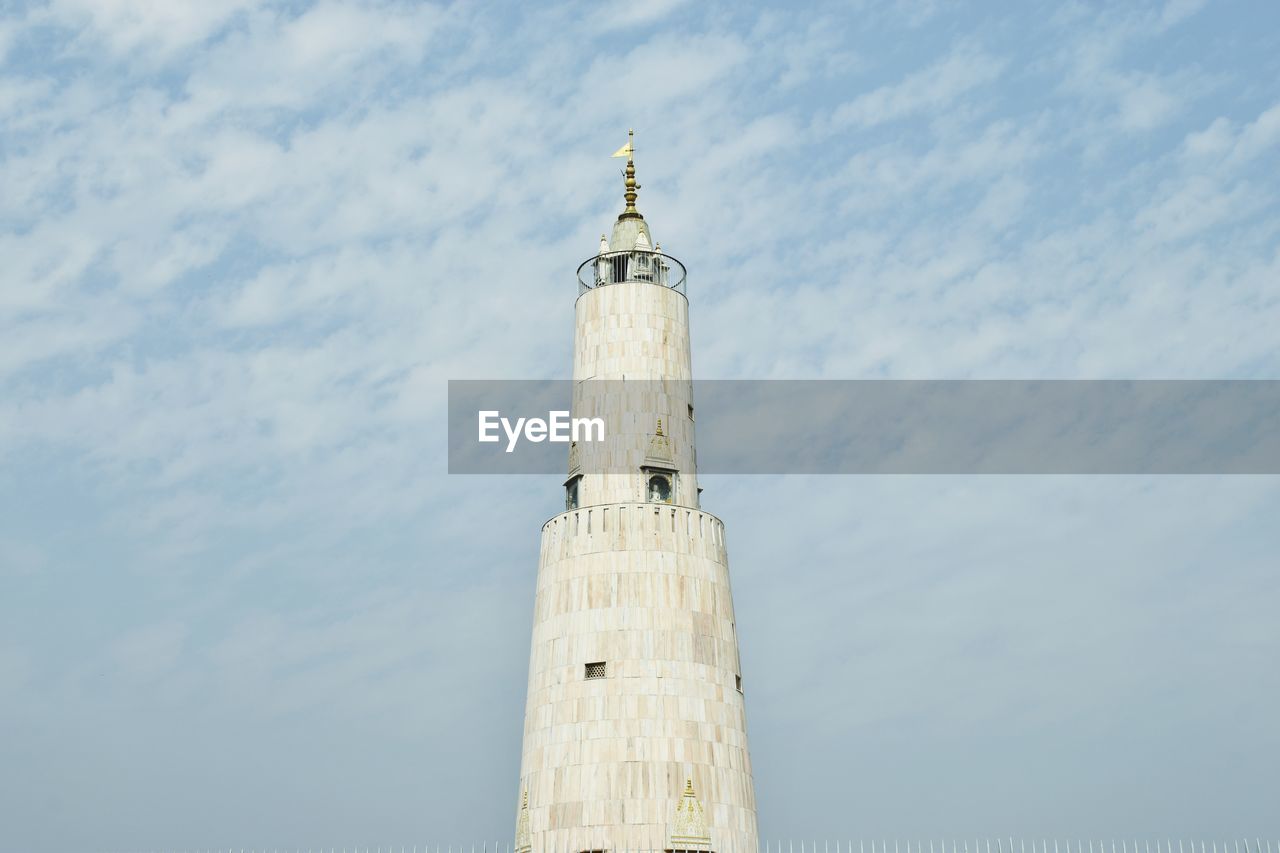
[630,179]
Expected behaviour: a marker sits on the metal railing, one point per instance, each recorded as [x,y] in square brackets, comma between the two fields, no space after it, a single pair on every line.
[1015,844]
[1005,844]
[635,265]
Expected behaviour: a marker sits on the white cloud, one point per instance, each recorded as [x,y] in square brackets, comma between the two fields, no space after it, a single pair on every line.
[654,75]
[818,53]
[1192,207]
[289,62]
[1144,101]
[606,18]
[245,247]
[129,28]
[930,89]
[1234,146]
[1117,92]
[1177,11]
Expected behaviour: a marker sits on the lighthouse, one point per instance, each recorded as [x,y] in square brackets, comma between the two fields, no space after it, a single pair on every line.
[635,734]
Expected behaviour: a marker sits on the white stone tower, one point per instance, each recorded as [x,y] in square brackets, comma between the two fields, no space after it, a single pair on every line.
[635,733]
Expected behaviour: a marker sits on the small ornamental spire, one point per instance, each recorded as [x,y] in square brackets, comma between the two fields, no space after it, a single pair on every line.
[660,449]
[689,829]
[524,841]
[628,151]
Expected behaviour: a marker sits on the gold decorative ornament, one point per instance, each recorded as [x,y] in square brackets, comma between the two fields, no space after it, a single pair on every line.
[629,176]
[689,829]
[524,842]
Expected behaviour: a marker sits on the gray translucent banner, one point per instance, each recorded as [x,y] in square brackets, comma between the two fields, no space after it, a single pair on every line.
[879,426]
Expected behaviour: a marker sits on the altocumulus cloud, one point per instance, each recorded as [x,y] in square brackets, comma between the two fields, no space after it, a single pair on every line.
[245,244]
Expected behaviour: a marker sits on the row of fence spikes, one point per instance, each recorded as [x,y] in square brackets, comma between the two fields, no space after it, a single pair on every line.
[997,845]
[805,846]
[1122,846]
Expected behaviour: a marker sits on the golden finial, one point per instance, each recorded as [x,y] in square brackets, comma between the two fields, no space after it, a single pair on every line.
[629,175]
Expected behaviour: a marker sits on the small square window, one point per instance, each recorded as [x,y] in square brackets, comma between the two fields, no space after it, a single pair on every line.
[597,669]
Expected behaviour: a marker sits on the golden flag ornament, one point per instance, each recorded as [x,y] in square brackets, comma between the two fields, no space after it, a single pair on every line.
[624,151]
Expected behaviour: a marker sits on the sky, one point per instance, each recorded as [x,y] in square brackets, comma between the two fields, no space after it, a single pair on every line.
[245,245]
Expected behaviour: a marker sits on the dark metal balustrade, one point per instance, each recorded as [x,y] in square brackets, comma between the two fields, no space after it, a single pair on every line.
[635,265]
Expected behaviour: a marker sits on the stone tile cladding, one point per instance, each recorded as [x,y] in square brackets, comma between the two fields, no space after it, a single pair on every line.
[645,588]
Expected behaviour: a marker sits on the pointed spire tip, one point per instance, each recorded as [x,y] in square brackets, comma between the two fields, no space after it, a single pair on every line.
[629,180]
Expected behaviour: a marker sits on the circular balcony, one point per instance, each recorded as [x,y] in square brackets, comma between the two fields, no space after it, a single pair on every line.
[636,265]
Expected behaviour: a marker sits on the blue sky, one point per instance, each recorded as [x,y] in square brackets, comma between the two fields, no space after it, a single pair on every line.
[246,244]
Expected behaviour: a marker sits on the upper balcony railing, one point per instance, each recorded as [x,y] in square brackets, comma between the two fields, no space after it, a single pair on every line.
[635,265]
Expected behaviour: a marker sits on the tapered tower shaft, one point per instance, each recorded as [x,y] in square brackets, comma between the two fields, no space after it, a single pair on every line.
[635,728]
